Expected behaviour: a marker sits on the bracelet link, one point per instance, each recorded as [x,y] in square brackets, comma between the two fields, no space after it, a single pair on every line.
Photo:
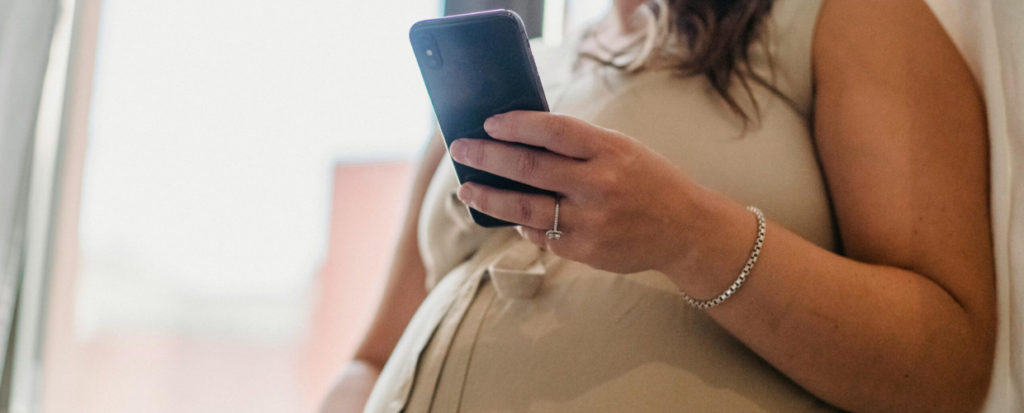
[703,305]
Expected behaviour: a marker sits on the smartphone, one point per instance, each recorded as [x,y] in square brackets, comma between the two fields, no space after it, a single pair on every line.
[476,66]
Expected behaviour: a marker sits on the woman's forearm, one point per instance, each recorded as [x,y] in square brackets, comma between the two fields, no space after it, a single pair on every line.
[863,337]
[350,393]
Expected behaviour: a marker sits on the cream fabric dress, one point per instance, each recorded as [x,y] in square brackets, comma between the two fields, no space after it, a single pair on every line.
[509,327]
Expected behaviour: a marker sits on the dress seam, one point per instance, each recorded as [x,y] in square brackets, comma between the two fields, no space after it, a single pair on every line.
[452,312]
[472,348]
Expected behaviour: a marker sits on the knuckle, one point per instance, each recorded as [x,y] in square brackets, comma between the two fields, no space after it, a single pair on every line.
[588,252]
[599,219]
[630,158]
[523,209]
[526,164]
[616,184]
[622,148]
[606,182]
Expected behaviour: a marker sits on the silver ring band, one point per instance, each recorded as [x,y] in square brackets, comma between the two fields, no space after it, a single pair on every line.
[554,233]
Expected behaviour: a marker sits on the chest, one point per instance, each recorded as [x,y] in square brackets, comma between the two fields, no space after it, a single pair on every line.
[770,162]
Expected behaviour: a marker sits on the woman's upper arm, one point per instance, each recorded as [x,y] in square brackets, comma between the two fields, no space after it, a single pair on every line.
[900,128]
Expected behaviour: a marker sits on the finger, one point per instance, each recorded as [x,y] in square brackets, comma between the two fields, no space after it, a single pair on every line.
[525,233]
[561,134]
[536,236]
[541,169]
[562,247]
[528,210]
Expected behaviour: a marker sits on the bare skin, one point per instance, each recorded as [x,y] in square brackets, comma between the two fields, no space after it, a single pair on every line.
[904,322]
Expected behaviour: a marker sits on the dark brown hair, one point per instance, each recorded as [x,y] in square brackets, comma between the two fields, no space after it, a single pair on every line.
[717,36]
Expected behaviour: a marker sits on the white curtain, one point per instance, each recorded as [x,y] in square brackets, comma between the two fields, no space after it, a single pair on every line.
[990,34]
[26,29]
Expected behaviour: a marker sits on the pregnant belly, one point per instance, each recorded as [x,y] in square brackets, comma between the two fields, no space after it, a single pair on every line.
[591,341]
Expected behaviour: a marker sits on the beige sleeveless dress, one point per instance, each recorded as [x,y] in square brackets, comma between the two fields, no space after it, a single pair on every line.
[509,327]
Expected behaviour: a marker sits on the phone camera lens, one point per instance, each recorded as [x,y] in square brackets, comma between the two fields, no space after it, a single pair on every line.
[429,54]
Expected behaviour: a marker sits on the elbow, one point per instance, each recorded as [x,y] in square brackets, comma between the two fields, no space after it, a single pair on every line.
[948,372]
[955,370]
[960,378]
[961,393]
[958,386]
[965,394]
[966,389]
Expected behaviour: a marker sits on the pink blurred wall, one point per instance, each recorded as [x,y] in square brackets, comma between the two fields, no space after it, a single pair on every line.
[167,372]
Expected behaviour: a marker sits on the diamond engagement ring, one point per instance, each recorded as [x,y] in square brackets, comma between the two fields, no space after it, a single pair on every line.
[554,233]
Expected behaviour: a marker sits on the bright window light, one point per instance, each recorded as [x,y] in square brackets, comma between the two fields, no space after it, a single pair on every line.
[213,130]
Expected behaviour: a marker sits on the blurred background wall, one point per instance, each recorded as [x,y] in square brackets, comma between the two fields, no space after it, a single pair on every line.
[532,11]
[233,181]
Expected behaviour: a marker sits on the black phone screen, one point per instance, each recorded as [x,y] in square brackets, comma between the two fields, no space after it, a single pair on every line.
[476,66]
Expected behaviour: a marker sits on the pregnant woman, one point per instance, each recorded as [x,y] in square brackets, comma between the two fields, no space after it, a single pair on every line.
[763,206]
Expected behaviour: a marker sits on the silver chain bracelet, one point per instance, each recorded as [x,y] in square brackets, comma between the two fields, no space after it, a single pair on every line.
[703,305]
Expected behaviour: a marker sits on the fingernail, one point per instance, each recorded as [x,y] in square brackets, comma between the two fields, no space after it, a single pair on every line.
[491,124]
[458,150]
[465,194]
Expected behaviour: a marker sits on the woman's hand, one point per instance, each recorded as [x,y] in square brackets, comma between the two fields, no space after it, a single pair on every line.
[623,208]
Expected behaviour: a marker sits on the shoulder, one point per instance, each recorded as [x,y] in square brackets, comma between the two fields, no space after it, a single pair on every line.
[900,126]
[885,41]
[873,54]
